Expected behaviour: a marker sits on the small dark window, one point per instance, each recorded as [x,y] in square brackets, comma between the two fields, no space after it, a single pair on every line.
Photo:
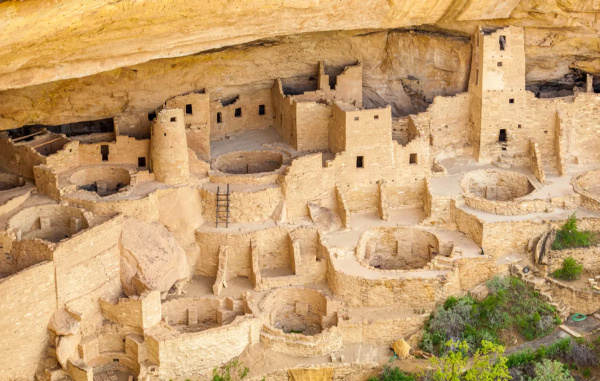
[356,118]
[499,64]
[238,112]
[412,158]
[115,360]
[502,41]
[173,119]
[511,100]
[141,162]
[476,76]
[519,126]
[219,120]
[164,134]
[188,109]
[104,152]
[376,117]
[261,109]
[360,162]
[502,135]
[151,116]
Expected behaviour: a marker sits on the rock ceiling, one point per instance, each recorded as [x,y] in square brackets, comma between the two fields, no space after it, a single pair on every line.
[70,60]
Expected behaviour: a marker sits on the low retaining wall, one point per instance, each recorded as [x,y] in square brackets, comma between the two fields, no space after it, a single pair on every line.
[586,302]
[297,344]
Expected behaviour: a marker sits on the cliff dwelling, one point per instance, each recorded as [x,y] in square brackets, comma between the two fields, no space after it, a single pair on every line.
[299,188]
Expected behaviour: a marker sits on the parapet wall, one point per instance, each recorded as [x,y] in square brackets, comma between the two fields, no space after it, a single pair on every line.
[181,355]
[413,292]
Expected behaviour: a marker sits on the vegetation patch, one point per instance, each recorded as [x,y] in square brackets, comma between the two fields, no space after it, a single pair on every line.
[571,270]
[569,236]
[552,362]
[511,305]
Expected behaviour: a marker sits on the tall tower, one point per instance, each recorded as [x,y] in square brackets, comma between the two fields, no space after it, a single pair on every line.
[169,151]
[498,96]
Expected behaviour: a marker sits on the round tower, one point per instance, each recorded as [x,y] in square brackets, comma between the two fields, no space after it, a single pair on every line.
[169,151]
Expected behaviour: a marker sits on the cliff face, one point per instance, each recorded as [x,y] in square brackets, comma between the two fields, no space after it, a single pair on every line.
[72,60]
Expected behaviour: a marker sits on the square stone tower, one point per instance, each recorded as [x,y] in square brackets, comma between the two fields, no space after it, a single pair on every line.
[498,96]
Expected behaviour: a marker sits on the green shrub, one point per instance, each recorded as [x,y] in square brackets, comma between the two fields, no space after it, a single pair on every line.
[569,236]
[392,374]
[551,370]
[558,349]
[571,270]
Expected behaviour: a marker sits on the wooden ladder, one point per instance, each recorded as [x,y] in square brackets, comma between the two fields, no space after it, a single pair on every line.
[222,207]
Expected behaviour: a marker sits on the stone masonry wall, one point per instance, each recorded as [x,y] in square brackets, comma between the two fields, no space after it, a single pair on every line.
[28,300]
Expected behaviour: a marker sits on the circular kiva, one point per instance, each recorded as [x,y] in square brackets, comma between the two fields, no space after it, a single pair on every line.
[51,223]
[496,185]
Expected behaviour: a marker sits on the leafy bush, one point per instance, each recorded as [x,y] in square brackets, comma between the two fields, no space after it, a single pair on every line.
[511,304]
[571,270]
[570,236]
[497,284]
[551,370]
[392,374]
[488,363]
[232,371]
[451,322]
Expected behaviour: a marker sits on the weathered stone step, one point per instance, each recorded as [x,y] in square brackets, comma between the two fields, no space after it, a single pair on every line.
[569,331]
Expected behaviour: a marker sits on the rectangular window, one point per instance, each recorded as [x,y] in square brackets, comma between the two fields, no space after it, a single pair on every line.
[502,135]
[261,109]
[499,64]
[502,42]
[188,109]
[360,162]
[376,117]
[511,100]
[141,162]
[477,77]
[412,159]
[151,116]
[104,152]
[173,119]
[219,120]
[356,118]
[238,112]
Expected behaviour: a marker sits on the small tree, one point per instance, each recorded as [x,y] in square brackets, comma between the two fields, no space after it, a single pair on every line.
[452,365]
[488,364]
[549,370]
[571,270]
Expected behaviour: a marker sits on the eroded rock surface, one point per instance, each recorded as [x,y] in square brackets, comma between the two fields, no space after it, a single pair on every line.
[151,258]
